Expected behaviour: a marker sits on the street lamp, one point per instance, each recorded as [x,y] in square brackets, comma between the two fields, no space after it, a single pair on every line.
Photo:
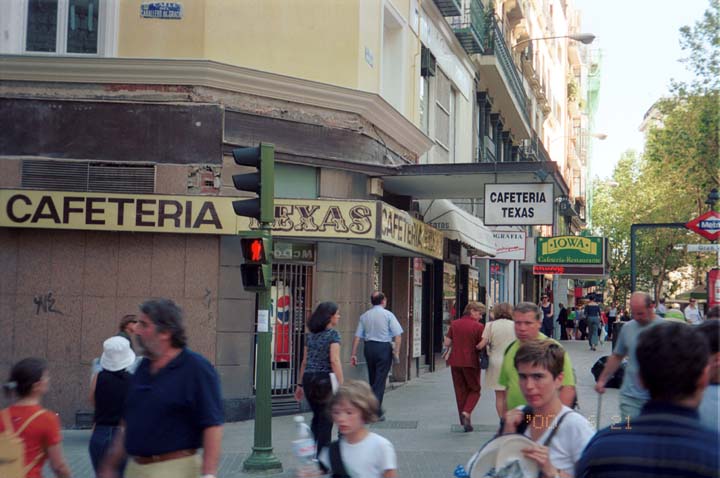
[713,198]
[584,38]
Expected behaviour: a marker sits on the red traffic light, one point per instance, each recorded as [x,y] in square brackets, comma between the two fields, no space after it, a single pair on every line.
[254,249]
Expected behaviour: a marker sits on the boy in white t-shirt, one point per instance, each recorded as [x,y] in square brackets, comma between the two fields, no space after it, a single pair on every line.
[560,433]
[361,453]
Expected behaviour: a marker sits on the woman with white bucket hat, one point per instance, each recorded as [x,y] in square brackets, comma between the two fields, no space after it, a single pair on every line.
[108,392]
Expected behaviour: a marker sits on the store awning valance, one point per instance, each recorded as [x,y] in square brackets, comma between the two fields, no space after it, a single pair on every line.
[458,225]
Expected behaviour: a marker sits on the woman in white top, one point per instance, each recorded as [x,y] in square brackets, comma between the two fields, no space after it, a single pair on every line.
[561,434]
[498,334]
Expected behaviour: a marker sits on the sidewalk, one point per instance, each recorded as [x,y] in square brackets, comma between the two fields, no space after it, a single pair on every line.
[421,423]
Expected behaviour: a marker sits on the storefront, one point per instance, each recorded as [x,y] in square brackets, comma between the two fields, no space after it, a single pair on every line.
[186,248]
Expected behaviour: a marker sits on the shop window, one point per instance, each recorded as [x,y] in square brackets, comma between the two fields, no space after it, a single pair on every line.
[76,27]
[497,283]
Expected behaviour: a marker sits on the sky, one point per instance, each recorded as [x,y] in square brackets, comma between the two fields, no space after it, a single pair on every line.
[640,45]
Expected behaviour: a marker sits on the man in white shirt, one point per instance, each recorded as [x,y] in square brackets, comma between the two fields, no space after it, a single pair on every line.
[692,313]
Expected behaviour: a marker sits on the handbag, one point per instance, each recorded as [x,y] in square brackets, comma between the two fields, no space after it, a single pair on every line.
[484,359]
[484,356]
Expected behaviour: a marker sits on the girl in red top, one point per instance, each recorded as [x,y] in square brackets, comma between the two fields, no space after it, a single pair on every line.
[29,382]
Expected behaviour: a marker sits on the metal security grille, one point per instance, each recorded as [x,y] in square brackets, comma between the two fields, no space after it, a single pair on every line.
[88,176]
[292,303]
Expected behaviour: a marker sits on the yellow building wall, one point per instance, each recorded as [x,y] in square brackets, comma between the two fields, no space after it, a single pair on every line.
[153,38]
[311,39]
[317,40]
[369,37]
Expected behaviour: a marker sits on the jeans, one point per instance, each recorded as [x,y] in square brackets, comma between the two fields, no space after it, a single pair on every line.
[594,332]
[630,406]
[100,441]
[318,392]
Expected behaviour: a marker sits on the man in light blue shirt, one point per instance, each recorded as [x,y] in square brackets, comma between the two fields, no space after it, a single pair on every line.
[632,394]
[382,333]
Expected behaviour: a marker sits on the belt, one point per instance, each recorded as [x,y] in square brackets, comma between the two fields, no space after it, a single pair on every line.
[173,455]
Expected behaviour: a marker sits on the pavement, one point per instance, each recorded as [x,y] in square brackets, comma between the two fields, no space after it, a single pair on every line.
[421,424]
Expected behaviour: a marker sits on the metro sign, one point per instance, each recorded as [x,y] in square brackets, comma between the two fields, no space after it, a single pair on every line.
[707,225]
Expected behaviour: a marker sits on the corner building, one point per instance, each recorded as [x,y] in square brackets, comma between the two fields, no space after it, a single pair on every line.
[115,180]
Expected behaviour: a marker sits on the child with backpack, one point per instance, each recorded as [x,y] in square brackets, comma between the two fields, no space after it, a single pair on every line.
[359,452]
[29,434]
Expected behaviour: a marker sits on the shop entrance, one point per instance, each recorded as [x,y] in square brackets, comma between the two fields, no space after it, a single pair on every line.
[291,302]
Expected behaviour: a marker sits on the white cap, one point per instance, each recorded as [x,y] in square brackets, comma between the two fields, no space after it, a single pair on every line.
[117,354]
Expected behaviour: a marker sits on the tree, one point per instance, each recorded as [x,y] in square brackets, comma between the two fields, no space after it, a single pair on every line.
[671,180]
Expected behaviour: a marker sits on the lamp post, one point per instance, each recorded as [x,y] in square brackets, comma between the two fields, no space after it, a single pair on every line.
[584,38]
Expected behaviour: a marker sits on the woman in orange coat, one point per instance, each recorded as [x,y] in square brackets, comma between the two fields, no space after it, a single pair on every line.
[462,339]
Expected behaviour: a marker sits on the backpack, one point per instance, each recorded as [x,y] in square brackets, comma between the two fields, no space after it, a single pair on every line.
[12,448]
[337,467]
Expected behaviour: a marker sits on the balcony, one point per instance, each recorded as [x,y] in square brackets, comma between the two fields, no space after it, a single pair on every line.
[534,149]
[500,77]
[470,28]
[449,8]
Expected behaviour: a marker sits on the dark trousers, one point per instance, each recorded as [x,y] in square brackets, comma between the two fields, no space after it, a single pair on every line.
[378,356]
[100,441]
[466,381]
[318,392]
[547,326]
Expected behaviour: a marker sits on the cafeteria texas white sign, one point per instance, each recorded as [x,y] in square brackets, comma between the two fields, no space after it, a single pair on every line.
[518,204]
[510,245]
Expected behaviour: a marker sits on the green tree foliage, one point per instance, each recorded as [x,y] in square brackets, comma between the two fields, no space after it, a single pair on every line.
[671,180]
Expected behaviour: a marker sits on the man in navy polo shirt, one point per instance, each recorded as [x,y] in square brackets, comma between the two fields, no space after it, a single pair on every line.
[173,406]
[667,438]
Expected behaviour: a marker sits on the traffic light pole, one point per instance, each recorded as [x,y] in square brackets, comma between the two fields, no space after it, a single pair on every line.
[262,459]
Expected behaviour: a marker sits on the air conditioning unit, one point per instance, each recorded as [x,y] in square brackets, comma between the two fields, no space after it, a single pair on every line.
[428,64]
[375,187]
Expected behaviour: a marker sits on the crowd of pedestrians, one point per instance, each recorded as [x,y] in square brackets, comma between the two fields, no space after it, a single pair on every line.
[158,413]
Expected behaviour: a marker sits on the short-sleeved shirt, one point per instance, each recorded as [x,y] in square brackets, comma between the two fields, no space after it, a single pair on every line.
[369,458]
[378,325]
[169,410]
[626,345]
[511,380]
[566,446]
[318,350]
[42,433]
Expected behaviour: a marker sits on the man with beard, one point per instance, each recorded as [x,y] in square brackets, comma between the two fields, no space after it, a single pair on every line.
[173,406]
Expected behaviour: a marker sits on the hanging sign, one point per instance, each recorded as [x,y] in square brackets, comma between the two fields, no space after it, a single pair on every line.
[518,204]
[569,250]
[707,225]
[509,244]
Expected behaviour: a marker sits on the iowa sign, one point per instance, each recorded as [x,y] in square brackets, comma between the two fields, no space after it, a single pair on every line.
[570,250]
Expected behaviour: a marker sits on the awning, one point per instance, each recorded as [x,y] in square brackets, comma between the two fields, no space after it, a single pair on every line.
[458,225]
[468,180]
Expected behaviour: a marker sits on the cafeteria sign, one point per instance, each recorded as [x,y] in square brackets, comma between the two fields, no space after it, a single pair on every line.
[569,250]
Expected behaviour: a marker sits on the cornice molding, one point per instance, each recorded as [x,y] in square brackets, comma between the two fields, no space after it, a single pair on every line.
[213,74]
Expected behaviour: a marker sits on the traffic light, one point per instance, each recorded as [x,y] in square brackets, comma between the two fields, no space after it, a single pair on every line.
[256,272]
[261,182]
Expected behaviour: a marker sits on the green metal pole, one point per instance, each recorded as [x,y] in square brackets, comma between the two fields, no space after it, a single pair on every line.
[262,460]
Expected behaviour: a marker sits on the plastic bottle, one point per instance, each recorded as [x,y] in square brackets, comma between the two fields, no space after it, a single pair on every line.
[305,449]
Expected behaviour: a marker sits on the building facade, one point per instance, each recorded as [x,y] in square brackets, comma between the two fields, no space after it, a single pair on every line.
[116,166]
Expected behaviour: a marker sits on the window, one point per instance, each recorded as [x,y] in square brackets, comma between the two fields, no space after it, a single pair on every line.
[443,117]
[425,104]
[392,50]
[76,27]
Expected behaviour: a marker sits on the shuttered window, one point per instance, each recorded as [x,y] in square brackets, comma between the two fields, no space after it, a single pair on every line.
[85,176]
